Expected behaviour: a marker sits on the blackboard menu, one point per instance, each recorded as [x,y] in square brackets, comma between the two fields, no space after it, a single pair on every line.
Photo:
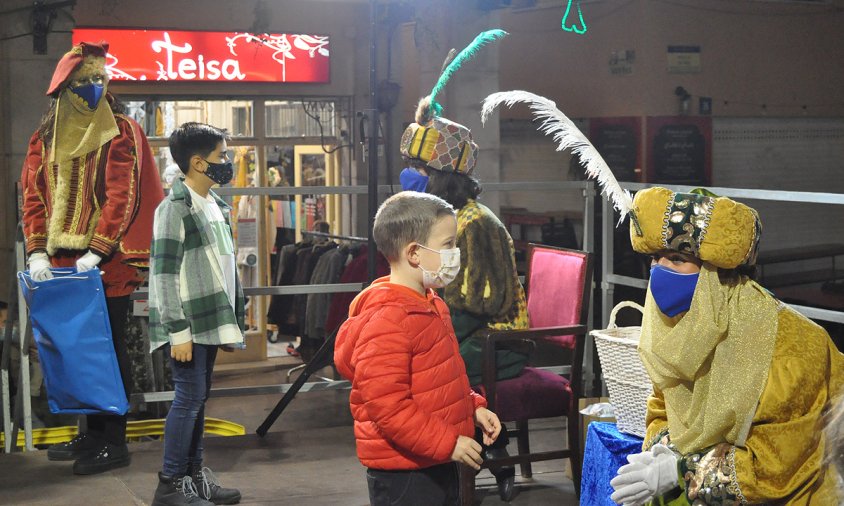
[619,140]
[680,150]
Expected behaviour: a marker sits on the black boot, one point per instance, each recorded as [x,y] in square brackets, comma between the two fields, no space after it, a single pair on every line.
[505,476]
[177,491]
[209,488]
[108,456]
[82,445]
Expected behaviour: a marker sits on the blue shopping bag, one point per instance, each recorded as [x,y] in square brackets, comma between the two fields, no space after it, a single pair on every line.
[71,328]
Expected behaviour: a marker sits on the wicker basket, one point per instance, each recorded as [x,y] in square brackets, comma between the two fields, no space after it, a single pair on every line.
[627,381]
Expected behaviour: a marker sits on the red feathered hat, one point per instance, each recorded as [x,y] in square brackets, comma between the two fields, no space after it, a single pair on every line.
[72,59]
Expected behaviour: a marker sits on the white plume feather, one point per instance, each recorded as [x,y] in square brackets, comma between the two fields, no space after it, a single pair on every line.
[567,136]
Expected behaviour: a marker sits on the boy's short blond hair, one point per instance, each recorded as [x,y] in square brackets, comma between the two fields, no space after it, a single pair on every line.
[407,217]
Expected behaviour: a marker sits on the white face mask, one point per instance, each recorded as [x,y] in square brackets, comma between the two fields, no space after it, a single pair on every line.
[449,267]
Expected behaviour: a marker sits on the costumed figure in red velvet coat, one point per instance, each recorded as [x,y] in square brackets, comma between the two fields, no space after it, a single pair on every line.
[90,189]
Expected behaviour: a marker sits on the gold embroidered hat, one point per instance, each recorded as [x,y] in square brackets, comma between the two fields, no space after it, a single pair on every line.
[439,143]
[717,230]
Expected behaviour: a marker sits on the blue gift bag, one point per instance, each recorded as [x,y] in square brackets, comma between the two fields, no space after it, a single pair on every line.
[71,328]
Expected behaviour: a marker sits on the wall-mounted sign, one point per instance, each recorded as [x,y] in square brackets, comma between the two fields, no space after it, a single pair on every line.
[619,140]
[680,150]
[172,55]
[621,62]
[683,59]
[705,106]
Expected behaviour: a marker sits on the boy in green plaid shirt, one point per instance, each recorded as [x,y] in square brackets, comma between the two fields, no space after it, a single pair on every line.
[196,306]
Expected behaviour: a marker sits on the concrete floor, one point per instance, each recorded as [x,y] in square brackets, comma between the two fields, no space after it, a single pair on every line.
[308,458]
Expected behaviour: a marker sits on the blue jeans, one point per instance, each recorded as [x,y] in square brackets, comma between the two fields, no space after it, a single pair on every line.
[186,418]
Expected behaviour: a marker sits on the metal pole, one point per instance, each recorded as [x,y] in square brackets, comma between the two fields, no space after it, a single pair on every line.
[607,261]
[372,117]
[24,343]
[607,264]
[588,370]
[589,218]
[5,362]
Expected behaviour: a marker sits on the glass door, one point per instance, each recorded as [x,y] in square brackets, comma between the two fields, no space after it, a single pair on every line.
[313,166]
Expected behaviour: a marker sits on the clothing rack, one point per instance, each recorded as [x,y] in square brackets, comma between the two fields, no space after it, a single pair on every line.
[338,237]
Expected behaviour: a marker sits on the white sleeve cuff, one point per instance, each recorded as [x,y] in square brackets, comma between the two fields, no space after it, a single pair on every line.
[181,337]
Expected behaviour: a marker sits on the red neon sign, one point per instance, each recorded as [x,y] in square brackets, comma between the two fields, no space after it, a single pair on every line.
[171,55]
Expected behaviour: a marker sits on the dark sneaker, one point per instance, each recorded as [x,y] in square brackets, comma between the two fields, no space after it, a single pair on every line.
[82,445]
[177,491]
[209,488]
[505,477]
[107,457]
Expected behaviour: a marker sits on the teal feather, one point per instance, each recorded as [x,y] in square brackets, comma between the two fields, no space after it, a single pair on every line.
[458,61]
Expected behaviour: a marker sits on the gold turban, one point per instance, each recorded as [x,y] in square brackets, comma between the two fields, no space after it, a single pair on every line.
[717,230]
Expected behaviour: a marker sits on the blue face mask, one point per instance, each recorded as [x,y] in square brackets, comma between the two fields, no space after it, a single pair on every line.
[412,180]
[671,290]
[90,93]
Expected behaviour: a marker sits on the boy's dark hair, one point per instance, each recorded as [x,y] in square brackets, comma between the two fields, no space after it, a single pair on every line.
[404,218]
[453,187]
[194,139]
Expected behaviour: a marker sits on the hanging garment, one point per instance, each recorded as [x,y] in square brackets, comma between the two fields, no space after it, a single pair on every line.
[328,270]
[281,240]
[279,312]
[72,331]
[355,272]
[304,272]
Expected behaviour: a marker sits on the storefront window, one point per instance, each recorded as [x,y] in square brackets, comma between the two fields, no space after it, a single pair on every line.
[280,174]
[316,213]
[301,119]
[299,143]
[160,118]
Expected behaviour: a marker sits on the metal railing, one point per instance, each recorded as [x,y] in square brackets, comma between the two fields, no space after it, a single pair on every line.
[585,188]
[609,279]
[607,282]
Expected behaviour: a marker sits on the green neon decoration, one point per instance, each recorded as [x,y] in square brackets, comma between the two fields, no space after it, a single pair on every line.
[573,27]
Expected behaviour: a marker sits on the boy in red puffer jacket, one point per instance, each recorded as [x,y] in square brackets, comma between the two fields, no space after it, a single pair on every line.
[413,408]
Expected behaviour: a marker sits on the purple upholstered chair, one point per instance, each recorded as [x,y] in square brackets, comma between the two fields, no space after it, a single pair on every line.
[558,288]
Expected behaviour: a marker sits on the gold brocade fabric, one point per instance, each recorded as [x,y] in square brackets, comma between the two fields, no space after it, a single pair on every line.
[79,130]
[782,461]
[712,362]
[488,283]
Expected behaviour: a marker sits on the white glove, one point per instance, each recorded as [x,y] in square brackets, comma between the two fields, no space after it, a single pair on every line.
[88,261]
[39,266]
[646,458]
[639,482]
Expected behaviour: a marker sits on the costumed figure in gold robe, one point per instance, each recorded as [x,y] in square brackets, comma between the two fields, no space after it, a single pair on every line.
[741,380]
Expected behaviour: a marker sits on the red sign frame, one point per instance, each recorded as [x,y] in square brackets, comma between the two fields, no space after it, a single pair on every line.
[181,55]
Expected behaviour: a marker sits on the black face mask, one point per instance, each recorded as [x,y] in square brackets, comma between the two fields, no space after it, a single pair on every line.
[220,173]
